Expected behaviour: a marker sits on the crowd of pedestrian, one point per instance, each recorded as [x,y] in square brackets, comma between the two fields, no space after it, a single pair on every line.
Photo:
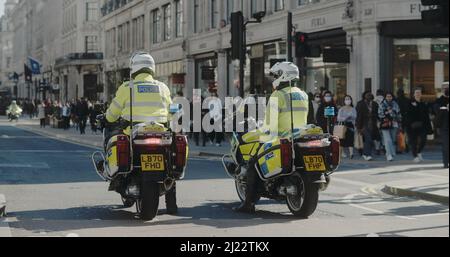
[387,123]
[73,114]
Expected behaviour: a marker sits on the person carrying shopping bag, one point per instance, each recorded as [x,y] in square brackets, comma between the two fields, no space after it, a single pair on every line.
[347,117]
[390,120]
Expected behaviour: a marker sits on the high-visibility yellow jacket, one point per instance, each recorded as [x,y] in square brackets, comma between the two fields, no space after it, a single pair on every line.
[151,101]
[300,108]
[14,109]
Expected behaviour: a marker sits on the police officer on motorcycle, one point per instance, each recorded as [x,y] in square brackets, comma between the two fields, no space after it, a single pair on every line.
[14,111]
[144,99]
[292,102]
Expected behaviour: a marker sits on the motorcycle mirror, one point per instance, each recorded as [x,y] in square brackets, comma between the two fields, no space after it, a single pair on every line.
[174,108]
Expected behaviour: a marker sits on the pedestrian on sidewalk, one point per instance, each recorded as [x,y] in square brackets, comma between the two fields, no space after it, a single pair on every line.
[322,121]
[66,116]
[366,123]
[215,110]
[82,113]
[379,141]
[347,116]
[315,102]
[418,125]
[41,114]
[390,117]
[94,111]
[441,110]
[403,103]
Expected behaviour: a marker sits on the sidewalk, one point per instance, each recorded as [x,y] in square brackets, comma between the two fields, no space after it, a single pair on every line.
[434,188]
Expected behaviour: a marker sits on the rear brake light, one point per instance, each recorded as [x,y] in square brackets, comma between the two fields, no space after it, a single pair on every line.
[153,141]
[181,151]
[315,144]
[286,155]
[123,153]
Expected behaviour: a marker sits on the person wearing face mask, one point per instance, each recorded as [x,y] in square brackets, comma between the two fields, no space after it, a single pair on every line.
[366,123]
[390,117]
[347,115]
[418,125]
[327,102]
[315,102]
[441,109]
[379,141]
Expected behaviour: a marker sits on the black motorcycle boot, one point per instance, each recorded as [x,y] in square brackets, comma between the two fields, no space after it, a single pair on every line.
[171,201]
[248,206]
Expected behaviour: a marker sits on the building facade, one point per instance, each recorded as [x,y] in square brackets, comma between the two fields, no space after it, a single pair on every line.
[7,82]
[85,47]
[79,67]
[389,46]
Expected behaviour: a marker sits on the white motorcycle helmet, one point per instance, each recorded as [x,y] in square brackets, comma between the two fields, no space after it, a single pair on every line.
[284,72]
[141,60]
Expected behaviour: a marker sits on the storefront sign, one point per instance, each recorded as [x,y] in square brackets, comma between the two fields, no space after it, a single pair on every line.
[318,22]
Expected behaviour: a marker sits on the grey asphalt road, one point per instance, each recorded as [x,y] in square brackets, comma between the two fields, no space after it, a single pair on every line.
[52,190]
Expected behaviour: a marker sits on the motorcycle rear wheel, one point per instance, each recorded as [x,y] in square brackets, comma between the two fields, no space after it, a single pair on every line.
[148,203]
[304,203]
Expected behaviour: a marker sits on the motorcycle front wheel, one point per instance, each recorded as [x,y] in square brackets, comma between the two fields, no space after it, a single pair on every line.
[148,203]
[241,189]
[304,203]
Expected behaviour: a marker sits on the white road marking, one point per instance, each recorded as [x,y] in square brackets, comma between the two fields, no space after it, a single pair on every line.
[430,215]
[384,169]
[20,137]
[350,182]
[40,165]
[349,199]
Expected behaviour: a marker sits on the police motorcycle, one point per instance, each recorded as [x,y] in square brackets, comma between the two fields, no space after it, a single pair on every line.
[142,164]
[14,113]
[290,171]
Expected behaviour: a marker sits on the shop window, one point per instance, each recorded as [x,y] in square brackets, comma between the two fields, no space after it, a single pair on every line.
[326,76]
[420,62]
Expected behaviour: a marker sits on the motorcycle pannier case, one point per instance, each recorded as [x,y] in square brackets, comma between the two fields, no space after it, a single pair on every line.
[118,155]
[269,160]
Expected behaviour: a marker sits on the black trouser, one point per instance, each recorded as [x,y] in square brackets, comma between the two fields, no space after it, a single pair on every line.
[66,122]
[445,144]
[197,138]
[83,121]
[251,193]
[43,123]
[417,141]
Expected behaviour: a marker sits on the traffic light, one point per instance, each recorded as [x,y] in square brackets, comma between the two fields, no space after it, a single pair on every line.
[303,48]
[237,34]
[301,45]
[437,14]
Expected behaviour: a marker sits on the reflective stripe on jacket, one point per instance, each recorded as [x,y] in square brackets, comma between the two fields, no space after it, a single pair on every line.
[300,108]
[151,101]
